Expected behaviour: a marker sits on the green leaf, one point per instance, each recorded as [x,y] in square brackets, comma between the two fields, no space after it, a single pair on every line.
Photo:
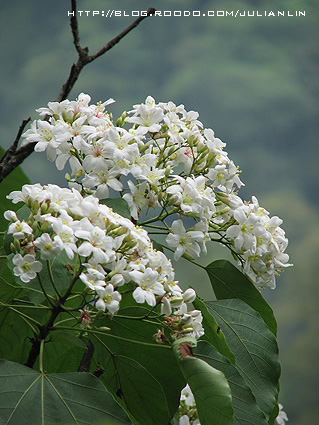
[132,337]
[63,352]
[15,180]
[209,386]
[254,346]
[118,205]
[213,333]
[228,282]
[8,286]
[142,393]
[14,334]
[246,410]
[28,396]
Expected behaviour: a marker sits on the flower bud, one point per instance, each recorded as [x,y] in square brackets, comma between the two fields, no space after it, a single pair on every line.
[77,116]
[119,231]
[44,226]
[223,211]
[189,295]
[78,174]
[44,207]
[176,301]
[65,115]
[104,328]
[187,256]
[202,149]
[160,196]
[170,151]
[13,248]
[67,177]
[166,306]
[17,244]
[11,216]
[34,226]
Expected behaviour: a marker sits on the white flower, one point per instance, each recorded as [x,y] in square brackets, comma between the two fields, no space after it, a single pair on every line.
[66,235]
[20,229]
[148,115]
[96,243]
[10,216]
[109,299]
[102,178]
[93,279]
[49,248]
[26,267]
[189,295]
[282,417]
[184,242]
[137,198]
[246,232]
[148,286]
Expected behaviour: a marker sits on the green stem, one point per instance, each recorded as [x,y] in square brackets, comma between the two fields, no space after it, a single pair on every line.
[52,279]
[39,307]
[108,335]
[25,316]
[41,356]
[160,217]
[44,292]
[66,320]
[154,227]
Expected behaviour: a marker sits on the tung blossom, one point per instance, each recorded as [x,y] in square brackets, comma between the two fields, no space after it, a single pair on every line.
[26,268]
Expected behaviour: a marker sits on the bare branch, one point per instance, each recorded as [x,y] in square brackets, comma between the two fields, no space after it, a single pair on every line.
[75,27]
[13,157]
[116,39]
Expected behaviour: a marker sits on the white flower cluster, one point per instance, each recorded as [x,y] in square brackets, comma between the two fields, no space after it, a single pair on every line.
[171,164]
[187,412]
[113,252]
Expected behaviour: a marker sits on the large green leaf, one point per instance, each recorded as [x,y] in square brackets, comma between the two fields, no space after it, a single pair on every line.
[228,282]
[118,205]
[143,394]
[209,386]
[254,346]
[246,410]
[30,397]
[213,333]
[133,338]
[14,181]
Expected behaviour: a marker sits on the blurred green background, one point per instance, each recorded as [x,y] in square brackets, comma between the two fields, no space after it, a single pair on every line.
[254,80]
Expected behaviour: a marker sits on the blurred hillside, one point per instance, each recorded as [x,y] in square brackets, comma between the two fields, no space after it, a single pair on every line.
[254,80]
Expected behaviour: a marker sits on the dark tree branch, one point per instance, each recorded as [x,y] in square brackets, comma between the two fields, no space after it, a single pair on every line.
[13,156]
